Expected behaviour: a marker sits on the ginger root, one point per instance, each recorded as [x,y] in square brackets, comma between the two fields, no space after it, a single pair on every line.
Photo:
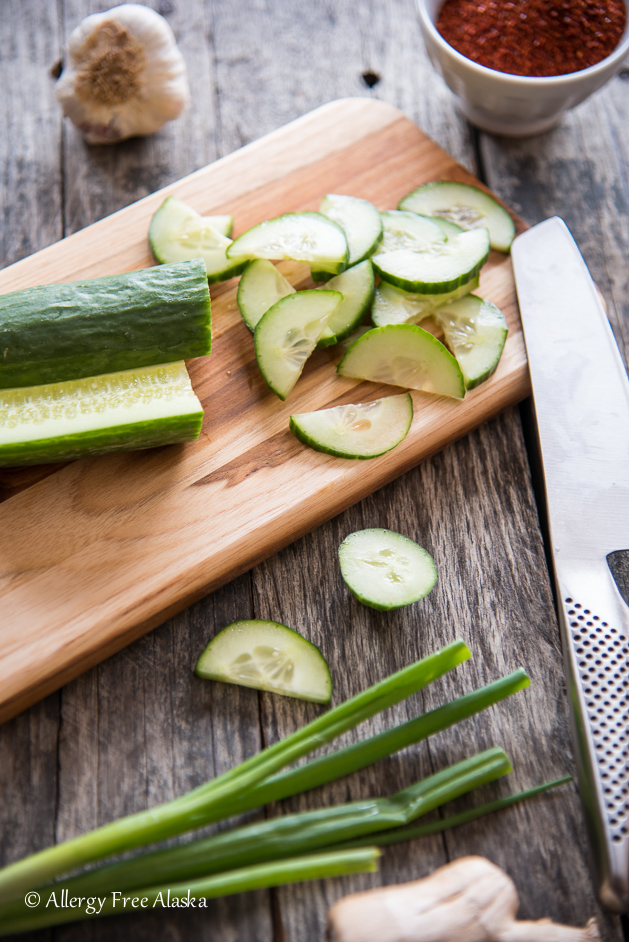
[468,900]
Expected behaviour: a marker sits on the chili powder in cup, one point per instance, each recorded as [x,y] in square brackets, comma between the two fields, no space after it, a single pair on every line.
[533,37]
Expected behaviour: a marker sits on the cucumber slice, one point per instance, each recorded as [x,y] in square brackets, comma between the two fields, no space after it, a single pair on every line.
[404,355]
[448,228]
[141,408]
[356,284]
[403,230]
[391,305]
[476,332]
[177,233]
[439,268]
[363,430]
[386,570]
[267,656]
[65,331]
[223,224]
[262,285]
[305,237]
[360,221]
[465,205]
[288,333]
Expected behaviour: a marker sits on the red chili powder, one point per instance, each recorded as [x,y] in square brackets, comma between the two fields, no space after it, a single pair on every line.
[533,37]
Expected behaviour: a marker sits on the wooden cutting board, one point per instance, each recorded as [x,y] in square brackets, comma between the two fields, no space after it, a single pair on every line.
[95,553]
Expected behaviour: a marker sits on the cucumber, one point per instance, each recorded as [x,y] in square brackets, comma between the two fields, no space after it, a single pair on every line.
[391,305]
[465,205]
[476,332]
[140,408]
[267,656]
[439,268]
[67,331]
[223,224]
[448,228]
[364,430]
[402,230]
[404,355]
[356,284]
[177,234]
[386,570]
[288,333]
[359,220]
[261,286]
[305,237]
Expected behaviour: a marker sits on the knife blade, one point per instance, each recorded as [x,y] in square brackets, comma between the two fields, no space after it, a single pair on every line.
[581,396]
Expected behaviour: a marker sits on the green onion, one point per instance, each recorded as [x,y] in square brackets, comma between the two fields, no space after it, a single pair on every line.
[215,799]
[360,755]
[315,867]
[464,817]
[287,836]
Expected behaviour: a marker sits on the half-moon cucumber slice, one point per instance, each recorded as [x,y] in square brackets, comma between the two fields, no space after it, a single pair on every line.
[305,237]
[361,430]
[288,333]
[386,570]
[360,221]
[438,268]
[391,305]
[402,230]
[267,656]
[465,205]
[261,286]
[476,332]
[404,355]
[356,284]
[178,234]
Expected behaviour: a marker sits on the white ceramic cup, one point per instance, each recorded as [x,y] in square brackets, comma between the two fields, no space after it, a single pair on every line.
[514,105]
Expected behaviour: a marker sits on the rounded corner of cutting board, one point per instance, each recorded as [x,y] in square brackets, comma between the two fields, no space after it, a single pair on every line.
[375,107]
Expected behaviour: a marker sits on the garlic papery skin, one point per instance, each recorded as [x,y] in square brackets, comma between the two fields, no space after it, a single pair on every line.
[125,76]
[468,900]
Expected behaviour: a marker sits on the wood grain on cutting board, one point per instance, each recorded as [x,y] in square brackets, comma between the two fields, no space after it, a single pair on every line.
[101,550]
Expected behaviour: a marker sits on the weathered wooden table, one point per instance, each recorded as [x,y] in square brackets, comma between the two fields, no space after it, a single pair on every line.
[140,728]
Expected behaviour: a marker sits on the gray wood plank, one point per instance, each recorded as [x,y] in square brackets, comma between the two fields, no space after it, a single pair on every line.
[30,201]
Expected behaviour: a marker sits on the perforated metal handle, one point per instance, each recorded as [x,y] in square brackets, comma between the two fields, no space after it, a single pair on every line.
[595,626]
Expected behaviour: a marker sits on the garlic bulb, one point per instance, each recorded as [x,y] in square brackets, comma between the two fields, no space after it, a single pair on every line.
[125,75]
[468,900]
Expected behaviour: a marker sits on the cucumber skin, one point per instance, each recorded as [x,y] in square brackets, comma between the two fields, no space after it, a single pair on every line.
[68,331]
[137,435]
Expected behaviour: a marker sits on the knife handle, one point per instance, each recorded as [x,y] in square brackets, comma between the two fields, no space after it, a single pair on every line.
[594,622]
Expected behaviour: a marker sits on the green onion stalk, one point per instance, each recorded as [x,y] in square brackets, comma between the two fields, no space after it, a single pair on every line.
[285,837]
[277,873]
[214,800]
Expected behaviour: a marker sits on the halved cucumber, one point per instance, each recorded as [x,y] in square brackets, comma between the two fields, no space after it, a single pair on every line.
[363,430]
[391,305]
[356,284]
[142,408]
[404,355]
[267,656]
[359,220]
[288,333]
[386,570]
[177,234]
[261,286]
[223,224]
[438,268]
[476,332]
[401,230]
[305,237]
[465,205]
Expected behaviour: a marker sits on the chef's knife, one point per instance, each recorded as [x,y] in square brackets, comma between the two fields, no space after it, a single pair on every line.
[581,395]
